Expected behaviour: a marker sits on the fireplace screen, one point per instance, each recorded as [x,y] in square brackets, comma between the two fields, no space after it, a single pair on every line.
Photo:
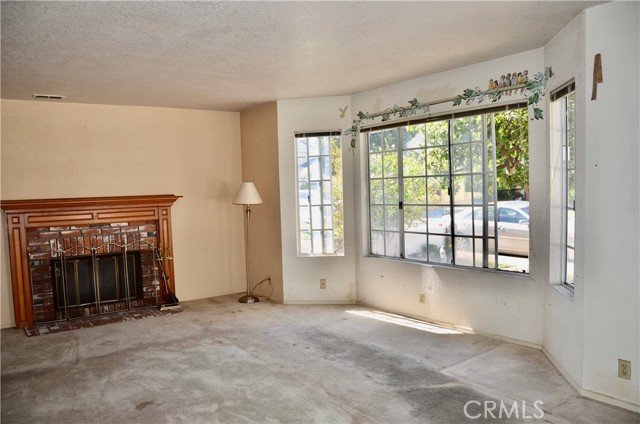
[106,275]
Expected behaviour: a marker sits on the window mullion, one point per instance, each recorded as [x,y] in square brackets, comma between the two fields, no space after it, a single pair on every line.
[322,203]
[333,234]
[494,172]
[311,229]
[400,192]
[451,195]
[369,189]
[565,188]
[485,192]
[308,170]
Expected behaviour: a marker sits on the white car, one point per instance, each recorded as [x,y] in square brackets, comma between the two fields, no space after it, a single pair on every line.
[513,227]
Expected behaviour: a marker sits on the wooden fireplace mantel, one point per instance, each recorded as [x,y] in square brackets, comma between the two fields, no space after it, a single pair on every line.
[33,213]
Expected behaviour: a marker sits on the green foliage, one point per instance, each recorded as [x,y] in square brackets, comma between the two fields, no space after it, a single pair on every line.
[533,89]
[537,113]
[424,153]
[512,150]
[400,112]
[476,94]
[335,152]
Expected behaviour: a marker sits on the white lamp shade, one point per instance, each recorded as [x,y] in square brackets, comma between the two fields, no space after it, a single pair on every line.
[247,195]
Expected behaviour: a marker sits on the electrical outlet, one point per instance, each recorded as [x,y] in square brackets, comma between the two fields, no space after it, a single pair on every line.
[624,369]
[421,297]
[323,283]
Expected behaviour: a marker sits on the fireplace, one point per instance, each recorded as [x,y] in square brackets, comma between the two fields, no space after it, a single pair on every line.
[85,270]
[73,258]
[96,280]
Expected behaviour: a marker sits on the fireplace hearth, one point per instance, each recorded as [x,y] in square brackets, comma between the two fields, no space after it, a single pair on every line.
[87,257]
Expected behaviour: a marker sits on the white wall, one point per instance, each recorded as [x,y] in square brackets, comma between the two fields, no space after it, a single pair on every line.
[563,326]
[301,275]
[503,305]
[612,177]
[52,150]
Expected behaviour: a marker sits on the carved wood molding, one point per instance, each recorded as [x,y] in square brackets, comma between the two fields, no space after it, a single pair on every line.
[30,213]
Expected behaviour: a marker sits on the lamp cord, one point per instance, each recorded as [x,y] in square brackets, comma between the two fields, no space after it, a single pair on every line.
[260,290]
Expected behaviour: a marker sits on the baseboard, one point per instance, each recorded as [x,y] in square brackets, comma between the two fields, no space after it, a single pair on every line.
[582,392]
[589,393]
[609,400]
[562,370]
[319,302]
[203,296]
[456,327]
[4,326]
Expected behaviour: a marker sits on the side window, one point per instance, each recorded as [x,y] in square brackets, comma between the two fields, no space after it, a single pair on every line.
[569,165]
[563,102]
[510,215]
[503,216]
[319,194]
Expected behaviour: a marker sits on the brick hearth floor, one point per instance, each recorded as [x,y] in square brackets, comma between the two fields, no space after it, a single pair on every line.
[93,321]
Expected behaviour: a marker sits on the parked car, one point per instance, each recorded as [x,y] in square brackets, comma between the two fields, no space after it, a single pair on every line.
[513,227]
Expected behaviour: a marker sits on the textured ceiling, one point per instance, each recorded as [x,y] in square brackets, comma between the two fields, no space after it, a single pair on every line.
[231,55]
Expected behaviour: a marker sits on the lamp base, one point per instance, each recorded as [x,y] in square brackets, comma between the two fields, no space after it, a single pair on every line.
[248,299]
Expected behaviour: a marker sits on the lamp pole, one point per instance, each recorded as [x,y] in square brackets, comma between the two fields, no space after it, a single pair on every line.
[249,298]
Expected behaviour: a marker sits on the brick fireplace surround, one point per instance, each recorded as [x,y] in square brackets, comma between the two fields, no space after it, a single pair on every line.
[40,229]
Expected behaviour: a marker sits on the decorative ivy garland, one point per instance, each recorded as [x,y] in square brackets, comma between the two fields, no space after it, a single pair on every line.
[532,89]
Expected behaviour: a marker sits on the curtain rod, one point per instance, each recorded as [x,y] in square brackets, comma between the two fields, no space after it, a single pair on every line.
[429,117]
[428,105]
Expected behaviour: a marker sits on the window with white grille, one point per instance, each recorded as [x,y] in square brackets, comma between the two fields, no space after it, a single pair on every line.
[319,193]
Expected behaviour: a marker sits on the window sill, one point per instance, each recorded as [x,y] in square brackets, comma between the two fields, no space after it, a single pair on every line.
[322,255]
[563,290]
[518,275]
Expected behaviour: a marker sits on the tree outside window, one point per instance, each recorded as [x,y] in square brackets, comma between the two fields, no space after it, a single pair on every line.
[431,184]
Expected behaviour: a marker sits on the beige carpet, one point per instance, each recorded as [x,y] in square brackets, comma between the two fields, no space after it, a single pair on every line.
[220,361]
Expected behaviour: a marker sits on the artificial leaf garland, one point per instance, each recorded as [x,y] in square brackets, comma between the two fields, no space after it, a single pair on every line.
[533,89]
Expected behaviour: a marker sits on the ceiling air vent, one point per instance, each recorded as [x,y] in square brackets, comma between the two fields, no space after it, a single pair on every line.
[48,97]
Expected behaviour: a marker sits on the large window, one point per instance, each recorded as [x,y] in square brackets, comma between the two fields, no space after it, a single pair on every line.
[564,99]
[452,191]
[319,189]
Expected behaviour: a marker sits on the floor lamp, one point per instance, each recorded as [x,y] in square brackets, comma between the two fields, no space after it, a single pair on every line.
[247,195]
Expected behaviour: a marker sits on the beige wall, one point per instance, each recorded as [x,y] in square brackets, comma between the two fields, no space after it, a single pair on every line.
[73,150]
[259,127]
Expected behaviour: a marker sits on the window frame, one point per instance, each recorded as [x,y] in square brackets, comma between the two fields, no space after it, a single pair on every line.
[335,136]
[487,112]
[567,205]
